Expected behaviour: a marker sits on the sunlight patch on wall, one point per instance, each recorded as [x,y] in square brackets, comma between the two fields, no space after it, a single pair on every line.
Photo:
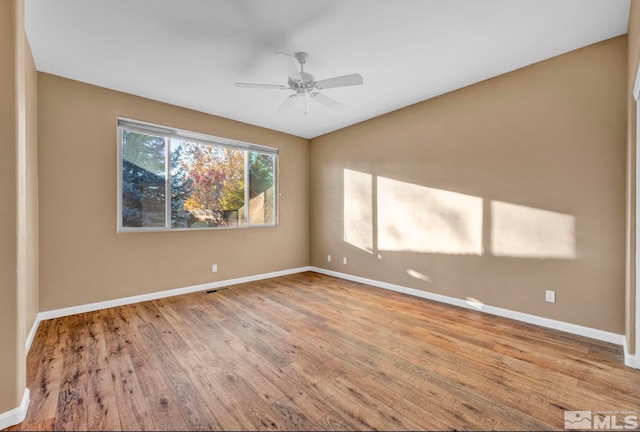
[525,232]
[422,219]
[358,218]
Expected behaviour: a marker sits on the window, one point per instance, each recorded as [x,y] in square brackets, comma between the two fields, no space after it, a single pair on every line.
[175,179]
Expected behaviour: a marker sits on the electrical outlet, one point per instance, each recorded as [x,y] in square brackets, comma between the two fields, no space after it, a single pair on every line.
[328,258]
[550,296]
[214,268]
[344,260]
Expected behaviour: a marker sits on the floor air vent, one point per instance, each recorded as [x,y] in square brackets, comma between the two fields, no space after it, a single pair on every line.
[216,290]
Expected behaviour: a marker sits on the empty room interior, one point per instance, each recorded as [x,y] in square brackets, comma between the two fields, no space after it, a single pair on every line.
[331,215]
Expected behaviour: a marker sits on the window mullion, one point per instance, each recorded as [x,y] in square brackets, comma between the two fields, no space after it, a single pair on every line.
[167,184]
[246,188]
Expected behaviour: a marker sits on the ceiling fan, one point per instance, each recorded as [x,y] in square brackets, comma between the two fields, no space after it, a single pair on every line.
[305,85]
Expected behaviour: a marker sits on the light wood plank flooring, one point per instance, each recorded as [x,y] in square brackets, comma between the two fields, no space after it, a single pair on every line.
[311,352]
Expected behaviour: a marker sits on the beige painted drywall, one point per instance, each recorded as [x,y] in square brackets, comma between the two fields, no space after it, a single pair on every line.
[504,167]
[84,260]
[30,197]
[22,226]
[18,201]
[8,213]
[633,54]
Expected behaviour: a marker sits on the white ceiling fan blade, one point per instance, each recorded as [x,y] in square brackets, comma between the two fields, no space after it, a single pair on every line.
[265,86]
[288,103]
[327,101]
[341,81]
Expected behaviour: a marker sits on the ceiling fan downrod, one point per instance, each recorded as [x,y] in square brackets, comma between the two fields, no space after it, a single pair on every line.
[302,58]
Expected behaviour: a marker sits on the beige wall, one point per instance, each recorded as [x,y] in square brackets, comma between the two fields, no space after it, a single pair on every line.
[84,260]
[18,201]
[498,191]
[633,55]
[30,178]
[8,220]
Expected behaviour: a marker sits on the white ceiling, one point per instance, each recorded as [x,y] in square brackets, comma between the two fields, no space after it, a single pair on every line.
[191,52]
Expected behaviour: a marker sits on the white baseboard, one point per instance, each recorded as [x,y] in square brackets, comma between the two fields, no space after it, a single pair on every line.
[16,415]
[32,333]
[618,339]
[592,333]
[631,360]
[57,313]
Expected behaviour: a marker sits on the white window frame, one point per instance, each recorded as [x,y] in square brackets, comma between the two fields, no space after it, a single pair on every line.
[168,133]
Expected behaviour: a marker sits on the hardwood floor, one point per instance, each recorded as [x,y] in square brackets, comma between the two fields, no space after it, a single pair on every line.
[311,352]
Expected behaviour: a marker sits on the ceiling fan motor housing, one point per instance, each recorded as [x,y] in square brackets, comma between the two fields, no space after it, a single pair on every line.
[307,82]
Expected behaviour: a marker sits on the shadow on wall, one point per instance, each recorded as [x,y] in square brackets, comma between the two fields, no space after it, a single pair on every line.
[382,214]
